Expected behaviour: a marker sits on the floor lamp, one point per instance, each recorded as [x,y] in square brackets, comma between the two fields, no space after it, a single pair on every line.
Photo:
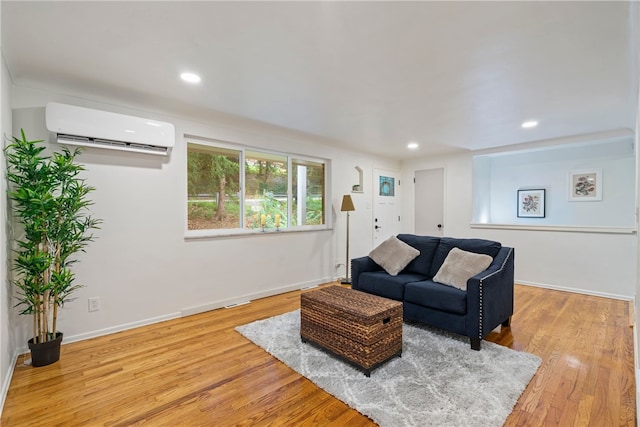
[347,206]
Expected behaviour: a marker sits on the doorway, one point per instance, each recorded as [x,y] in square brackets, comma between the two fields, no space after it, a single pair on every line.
[386,205]
[429,202]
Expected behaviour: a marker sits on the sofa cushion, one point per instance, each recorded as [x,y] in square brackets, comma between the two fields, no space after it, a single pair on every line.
[382,284]
[427,293]
[427,246]
[460,266]
[478,246]
[393,255]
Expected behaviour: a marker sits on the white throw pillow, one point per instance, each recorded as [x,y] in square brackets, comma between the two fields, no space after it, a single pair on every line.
[393,255]
[459,266]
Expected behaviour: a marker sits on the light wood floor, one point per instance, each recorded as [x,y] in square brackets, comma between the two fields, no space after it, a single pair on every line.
[197,371]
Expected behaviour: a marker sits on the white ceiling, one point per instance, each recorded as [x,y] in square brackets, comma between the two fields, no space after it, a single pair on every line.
[368,75]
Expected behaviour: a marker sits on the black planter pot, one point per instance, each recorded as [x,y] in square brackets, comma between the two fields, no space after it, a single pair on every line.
[46,353]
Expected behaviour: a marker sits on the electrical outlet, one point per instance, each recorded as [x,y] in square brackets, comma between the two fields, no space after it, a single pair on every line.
[94,304]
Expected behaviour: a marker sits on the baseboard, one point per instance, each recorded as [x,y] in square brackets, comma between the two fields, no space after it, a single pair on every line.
[214,305]
[575,290]
[7,381]
[68,339]
[119,328]
[187,312]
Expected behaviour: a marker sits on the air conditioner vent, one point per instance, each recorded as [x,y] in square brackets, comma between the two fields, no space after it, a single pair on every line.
[110,144]
[93,128]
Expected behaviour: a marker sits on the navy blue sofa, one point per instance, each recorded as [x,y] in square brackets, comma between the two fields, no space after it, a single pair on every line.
[487,302]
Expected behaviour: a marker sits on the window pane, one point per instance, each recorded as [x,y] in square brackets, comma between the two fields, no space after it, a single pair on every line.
[213,182]
[308,193]
[265,190]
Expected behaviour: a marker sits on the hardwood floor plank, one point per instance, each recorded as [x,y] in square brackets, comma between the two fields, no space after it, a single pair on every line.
[577,332]
[199,371]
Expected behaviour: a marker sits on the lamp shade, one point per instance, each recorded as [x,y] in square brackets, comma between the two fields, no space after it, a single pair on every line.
[347,204]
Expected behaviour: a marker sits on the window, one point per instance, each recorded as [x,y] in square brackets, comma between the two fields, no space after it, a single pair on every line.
[266,195]
[246,189]
[308,187]
[213,187]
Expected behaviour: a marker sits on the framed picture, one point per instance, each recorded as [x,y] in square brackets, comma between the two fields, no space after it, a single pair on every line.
[531,203]
[585,185]
[387,186]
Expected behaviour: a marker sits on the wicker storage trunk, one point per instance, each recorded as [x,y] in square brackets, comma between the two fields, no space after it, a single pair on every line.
[364,329]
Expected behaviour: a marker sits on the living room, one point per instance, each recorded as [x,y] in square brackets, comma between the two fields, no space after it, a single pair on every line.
[145,268]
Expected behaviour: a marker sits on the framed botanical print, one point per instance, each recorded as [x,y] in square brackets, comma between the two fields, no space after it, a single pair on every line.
[531,203]
[585,185]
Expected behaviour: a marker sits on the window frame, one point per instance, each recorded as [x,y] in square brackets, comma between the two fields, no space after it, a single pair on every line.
[326,197]
[241,230]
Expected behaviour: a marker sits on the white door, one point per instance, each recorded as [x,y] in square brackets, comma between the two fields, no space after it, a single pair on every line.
[429,202]
[386,205]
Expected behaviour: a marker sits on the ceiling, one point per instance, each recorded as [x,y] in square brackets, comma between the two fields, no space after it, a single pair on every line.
[370,76]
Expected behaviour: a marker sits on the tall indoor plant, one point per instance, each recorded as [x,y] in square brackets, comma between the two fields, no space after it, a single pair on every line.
[50,201]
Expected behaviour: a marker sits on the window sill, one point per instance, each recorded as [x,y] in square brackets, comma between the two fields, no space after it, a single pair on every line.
[213,234]
[561,228]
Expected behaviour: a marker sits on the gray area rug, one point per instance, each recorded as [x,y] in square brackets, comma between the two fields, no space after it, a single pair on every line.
[438,381]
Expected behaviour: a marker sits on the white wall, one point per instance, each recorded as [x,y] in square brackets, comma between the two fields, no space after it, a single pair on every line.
[141,266]
[7,342]
[548,169]
[594,263]
[636,305]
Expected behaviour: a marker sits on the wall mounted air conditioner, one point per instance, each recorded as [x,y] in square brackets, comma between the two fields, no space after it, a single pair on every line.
[93,128]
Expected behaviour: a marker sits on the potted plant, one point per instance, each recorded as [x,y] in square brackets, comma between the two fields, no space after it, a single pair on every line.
[50,201]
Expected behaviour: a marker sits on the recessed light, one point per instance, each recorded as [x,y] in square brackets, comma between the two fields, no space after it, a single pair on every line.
[190,77]
[412,145]
[529,124]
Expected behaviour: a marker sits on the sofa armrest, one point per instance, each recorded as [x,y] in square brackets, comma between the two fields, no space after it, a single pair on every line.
[490,295]
[359,266]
